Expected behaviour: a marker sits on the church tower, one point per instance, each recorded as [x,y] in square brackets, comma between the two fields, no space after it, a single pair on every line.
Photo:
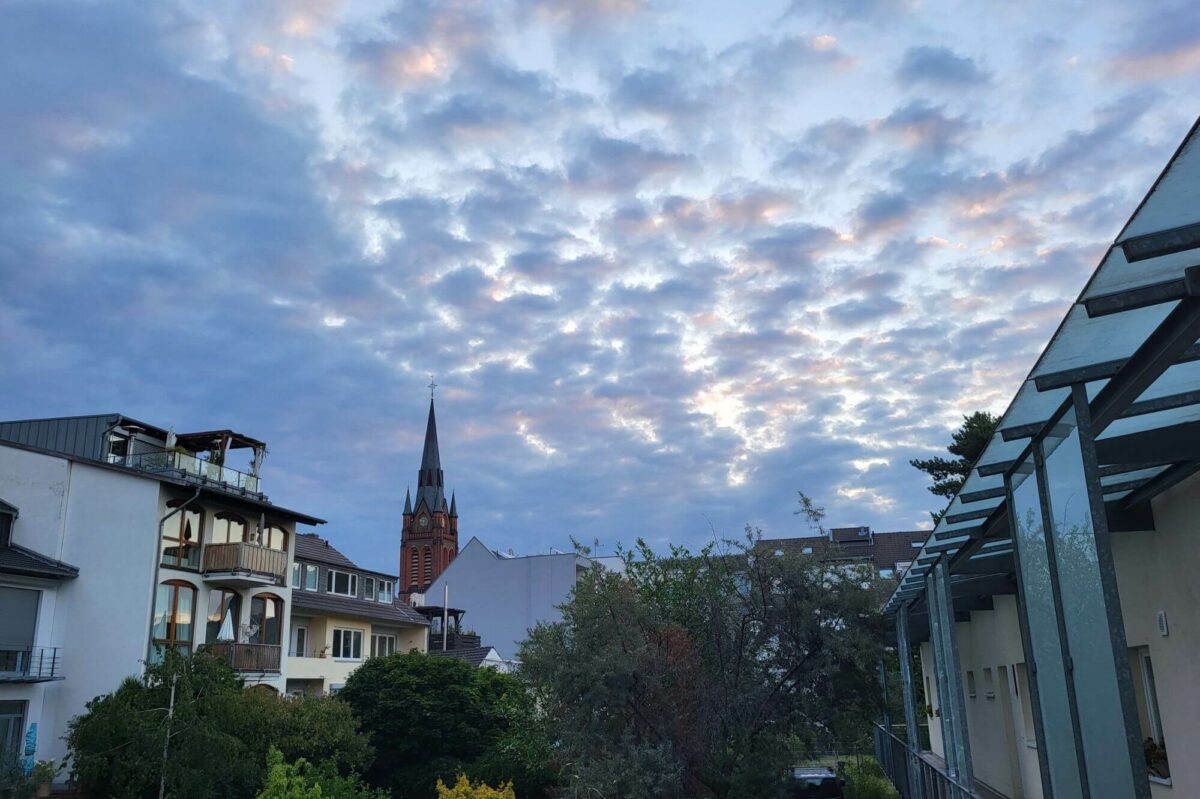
[429,537]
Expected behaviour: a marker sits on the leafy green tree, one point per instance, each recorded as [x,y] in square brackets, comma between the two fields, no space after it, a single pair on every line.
[219,734]
[701,674]
[434,718]
[967,444]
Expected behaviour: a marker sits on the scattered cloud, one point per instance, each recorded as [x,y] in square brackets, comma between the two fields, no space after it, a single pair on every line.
[668,267]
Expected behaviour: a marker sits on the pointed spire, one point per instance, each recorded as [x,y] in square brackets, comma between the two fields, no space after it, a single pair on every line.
[429,478]
[453,506]
[430,459]
[407,502]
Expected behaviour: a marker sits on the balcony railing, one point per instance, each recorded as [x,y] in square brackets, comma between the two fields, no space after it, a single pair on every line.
[245,559]
[248,658]
[190,467]
[29,663]
[454,640]
[907,768]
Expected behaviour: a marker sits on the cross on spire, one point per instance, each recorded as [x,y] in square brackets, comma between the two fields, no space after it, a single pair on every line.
[432,385]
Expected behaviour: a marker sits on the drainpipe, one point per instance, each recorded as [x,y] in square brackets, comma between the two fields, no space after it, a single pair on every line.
[158,566]
[445,614]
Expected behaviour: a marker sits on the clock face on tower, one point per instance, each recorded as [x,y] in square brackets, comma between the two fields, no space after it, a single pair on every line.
[423,521]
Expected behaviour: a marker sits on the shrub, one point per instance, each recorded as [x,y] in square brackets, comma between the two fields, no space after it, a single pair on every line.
[301,780]
[463,789]
[866,780]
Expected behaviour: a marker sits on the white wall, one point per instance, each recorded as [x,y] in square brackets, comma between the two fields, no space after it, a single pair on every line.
[104,522]
[505,597]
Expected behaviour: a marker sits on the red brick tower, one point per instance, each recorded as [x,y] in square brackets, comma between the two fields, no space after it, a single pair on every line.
[429,537]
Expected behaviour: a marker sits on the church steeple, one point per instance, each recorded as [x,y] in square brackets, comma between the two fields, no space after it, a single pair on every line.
[429,535]
[429,477]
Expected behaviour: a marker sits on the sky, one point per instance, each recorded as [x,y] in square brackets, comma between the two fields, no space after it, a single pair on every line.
[670,262]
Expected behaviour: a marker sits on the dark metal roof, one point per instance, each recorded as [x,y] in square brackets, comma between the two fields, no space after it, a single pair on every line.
[231,496]
[15,559]
[7,508]
[474,655]
[358,608]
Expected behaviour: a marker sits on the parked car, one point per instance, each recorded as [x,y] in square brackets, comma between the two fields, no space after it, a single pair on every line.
[816,782]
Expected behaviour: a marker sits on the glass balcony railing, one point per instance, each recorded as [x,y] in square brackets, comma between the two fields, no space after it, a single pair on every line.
[189,466]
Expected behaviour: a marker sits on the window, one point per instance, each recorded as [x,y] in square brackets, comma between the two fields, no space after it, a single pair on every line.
[386,591]
[181,537]
[342,583]
[369,588]
[174,617]
[1152,733]
[382,645]
[347,644]
[266,619]
[274,537]
[118,447]
[806,551]
[428,565]
[299,641]
[917,544]
[971,684]
[412,573]
[887,574]
[223,611]
[989,684]
[310,577]
[228,529]
[296,567]
[12,727]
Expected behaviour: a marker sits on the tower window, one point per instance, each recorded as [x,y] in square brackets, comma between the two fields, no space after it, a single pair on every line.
[428,565]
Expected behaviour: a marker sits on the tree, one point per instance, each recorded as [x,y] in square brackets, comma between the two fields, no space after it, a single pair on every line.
[219,734]
[967,444]
[705,674]
[434,718]
[301,780]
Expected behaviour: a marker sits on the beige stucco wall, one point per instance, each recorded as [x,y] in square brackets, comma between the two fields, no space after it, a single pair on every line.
[335,671]
[1156,571]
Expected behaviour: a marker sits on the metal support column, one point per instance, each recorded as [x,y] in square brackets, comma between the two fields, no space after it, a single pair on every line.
[912,731]
[953,704]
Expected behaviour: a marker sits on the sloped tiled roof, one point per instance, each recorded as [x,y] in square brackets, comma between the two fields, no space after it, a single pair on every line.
[314,548]
[474,655]
[15,559]
[885,549]
[398,612]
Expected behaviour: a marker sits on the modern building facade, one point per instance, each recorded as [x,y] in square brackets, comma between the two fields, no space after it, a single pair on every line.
[888,553]
[429,532]
[1054,606]
[502,596]
[124,540]
[342,614]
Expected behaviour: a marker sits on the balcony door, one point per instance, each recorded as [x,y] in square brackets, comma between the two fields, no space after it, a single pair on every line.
[18,620]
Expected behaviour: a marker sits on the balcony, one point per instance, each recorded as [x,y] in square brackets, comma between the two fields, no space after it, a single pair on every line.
[244,565]
[192,469]
[248,658]
[29,664]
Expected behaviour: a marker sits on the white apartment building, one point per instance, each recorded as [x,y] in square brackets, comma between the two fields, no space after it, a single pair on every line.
[501,596]
[119,539]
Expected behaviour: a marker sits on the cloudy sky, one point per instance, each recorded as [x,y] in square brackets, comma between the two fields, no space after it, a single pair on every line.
[670,261]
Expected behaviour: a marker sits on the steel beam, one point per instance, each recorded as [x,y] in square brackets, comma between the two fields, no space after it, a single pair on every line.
[1161,482]
[1163,347]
